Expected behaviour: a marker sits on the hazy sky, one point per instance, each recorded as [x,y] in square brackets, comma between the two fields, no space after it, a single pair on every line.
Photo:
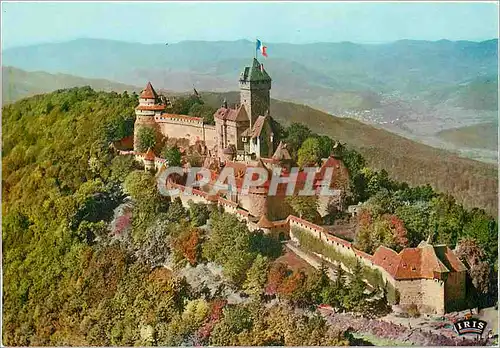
[26,23]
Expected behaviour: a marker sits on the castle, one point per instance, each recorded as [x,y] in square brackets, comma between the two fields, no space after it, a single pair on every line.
[243,132]
[243,137]
[429,277]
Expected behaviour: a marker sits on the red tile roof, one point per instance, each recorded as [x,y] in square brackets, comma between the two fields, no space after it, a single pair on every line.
[363,254]
[229,114]
[159,107]
[411,265]
[156,107]
[338,240]
[415,263]
[305,223]
[199,193]
[256,129]
[257,126]
[339,169]
[281,152]
[430,263]
[264,222]
[225,201]
[449,259]
[149,92]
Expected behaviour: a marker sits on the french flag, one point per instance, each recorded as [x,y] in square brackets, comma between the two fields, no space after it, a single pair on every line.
[260,47]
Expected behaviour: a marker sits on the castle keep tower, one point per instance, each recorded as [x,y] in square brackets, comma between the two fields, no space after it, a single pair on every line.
[255,87]
[149,107]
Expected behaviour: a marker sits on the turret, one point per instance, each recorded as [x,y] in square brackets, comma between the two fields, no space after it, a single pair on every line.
[148,109]
[258,195]
[149,160]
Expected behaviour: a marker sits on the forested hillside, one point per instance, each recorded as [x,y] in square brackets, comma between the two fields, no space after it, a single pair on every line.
[55,172]
[82,264]
[482,135]
[17,83]
[71,279]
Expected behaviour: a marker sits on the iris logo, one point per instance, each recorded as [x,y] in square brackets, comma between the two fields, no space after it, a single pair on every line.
[470,325]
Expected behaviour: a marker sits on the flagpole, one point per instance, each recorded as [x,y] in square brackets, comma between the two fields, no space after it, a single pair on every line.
[255,49]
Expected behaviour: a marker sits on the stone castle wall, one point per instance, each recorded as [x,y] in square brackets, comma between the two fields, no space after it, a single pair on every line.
[210,136]
[455,290]
[429,295]
[188,128]
[426,294]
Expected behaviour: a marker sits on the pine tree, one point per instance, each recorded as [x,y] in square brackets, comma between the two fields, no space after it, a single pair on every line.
[176,211]
[355,298]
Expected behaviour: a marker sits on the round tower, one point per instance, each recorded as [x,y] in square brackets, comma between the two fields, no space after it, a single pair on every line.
[148,109]
[257,197]
[149,160]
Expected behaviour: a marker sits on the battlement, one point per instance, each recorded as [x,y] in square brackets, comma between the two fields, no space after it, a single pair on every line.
[180,119]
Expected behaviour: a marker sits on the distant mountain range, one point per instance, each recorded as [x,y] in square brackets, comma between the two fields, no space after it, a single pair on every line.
[405,66]
[18,84]
[413,88]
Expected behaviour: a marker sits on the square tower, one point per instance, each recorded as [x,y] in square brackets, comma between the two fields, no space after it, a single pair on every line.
[255,87]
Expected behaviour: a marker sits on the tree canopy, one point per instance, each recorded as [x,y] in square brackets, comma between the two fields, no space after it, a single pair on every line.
[146,138]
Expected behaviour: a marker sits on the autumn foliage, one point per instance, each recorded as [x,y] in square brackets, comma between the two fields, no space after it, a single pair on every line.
[188,244]
[216,308]
[276,275]
[387,230]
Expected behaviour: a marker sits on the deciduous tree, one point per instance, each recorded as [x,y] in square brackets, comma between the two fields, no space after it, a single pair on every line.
[309,153]
[305,206]
[473,255]
[199,213]
[146,138]
[256,277]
